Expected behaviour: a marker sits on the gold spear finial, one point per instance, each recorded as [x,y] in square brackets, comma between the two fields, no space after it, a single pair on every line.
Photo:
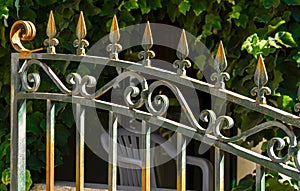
[182,53]
[80,43]
[220,65]
[260,79]
[81,27]
[51,42]
[51,28]
[182,48]
[114,36]
[147,43]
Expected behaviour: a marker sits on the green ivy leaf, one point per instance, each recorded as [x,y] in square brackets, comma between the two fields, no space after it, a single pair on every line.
[286,100]
[35,121]
[242,21]
[271,3]
[4,12]
[274,185]
[198,6]
[274,27]
[155,4]
[3,148]
[6,176]
[131,4]
[88,8]
[292,2]
[126,16]
[184,6]
[67,116]
[3,187]
[173,12]
[34,163]
[144,8]
[286,39]
[28,180]
[235,13]
[245,184]
[107,9]
[214,20]
[297,58]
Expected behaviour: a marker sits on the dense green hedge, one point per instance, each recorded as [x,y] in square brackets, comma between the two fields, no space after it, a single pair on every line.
[247,29]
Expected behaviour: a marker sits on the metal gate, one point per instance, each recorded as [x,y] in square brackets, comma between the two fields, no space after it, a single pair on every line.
[25,86]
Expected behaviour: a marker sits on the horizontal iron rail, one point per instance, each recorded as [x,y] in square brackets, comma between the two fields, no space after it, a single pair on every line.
[171,125]
[171,76]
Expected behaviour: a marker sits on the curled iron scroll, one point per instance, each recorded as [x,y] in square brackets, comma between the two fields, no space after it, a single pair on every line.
[22,30]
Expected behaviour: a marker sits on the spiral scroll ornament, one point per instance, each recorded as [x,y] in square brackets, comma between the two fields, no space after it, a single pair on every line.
[22,30]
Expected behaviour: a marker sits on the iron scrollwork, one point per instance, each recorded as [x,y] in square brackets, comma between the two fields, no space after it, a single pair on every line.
[31,81]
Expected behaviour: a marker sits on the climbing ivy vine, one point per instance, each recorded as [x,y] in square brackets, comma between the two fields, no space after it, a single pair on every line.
[247,29]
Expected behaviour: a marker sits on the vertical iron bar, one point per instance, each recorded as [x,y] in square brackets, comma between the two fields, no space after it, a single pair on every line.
[146,184]
[219,169]
[181,162]
[112,155]
[18,133]
[50,146]
[260,178]
[80,120]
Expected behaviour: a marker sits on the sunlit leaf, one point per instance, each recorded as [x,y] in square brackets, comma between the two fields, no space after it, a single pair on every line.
[285,38]
[297,58]
[184,6]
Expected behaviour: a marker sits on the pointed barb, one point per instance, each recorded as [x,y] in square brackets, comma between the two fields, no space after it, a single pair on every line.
[260,79]
[221,62]
[260,76]
[81,27]
[51,42]
[147,41]
[114,35]
[182,54]
[80,43]
[220,65]
[51,28]
[182,49]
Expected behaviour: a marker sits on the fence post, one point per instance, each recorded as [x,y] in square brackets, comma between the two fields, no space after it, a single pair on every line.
[18,132]
[50,146]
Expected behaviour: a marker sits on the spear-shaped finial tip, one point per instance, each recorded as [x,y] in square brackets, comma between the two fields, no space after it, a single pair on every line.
[221,61]
[147,41]
[260,76]
[182,53]
[220,65]
[51,28]
[51,42]
[260,79]
[182,49]
[81,31]
[114,35]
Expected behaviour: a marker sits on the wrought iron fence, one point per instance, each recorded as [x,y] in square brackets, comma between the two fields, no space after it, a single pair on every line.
[25,85]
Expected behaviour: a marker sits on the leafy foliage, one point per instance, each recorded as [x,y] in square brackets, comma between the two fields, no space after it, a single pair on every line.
[6,180]
[274,182]
[247,29]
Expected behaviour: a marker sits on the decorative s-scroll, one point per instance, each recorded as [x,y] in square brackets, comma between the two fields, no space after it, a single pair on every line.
[22,30]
